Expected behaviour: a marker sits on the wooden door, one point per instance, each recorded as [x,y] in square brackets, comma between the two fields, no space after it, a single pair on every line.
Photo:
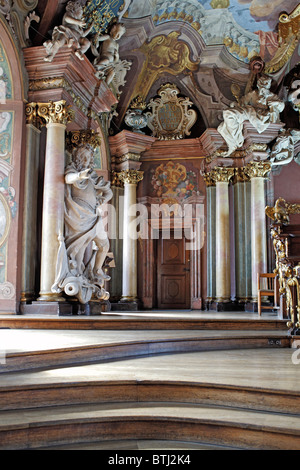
[173,274]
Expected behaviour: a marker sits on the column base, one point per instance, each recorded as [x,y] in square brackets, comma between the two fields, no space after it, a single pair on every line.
[251,307]
[196,304]
[127,304]
[27,297]
[46,308]
[50,297]
[224,306]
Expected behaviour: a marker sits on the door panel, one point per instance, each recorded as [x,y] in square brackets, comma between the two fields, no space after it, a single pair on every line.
[173,274]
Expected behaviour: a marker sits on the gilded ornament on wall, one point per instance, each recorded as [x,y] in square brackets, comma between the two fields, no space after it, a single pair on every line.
[164,54]
[171,117]
[288,37]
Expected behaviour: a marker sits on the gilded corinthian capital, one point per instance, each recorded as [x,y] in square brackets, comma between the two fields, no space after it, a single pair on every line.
[31,115]
[55,112]
[258,169]
[221,175]
[131,176]
[78,137]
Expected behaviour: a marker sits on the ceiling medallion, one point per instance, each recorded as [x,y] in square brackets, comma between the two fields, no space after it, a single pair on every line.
[171,117]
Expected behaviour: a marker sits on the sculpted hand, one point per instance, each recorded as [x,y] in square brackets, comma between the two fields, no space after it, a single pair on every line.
[85,174]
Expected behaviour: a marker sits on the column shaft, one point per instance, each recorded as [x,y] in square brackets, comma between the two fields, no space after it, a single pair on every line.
[30,213]
[223,285]
[129,291]
[242,203]
[211,243]
[53,207]
[130,179]
[257,171]
[258,231]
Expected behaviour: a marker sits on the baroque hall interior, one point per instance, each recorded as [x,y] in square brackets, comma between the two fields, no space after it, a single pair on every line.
[149,166]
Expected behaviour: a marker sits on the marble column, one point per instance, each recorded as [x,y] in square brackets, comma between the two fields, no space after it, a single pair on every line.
[29,240]
[130,178]
[222,177]
[242,217]
[257,171]
[116,241]
[211,237]
[56,116]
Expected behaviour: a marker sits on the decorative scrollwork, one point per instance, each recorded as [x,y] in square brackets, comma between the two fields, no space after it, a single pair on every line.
[171,117]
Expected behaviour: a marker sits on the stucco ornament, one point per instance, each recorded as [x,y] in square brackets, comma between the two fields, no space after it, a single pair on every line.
[283,150]
[71,32]
[260,107]
[106,49]
[85,245]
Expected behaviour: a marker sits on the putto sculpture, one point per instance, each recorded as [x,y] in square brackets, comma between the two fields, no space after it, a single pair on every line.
[85,244]
[107,56]
[260,107]
[71,32]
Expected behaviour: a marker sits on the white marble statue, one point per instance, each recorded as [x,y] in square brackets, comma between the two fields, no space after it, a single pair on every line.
[260,107]
[85,245]
[70,32]
[107,58]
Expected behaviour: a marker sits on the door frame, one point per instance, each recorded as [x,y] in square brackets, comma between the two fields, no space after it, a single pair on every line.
[147,267]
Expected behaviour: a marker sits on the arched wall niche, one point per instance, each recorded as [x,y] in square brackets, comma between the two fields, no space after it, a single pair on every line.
[12,151]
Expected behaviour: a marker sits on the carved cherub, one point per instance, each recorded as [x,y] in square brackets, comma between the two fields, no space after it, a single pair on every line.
[70,32]
[108,54]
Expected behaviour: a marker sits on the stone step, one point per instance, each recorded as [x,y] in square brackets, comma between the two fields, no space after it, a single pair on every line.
[63,356]
[39,393]
[65,425]
[147,321]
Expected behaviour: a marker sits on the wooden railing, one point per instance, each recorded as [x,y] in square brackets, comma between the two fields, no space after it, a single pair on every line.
[286,243]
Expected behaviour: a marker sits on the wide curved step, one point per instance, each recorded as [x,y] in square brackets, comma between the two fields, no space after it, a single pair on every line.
[83,392]
[244,429]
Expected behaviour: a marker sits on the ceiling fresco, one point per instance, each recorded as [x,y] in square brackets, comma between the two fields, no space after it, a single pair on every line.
[246,27]
[203,47]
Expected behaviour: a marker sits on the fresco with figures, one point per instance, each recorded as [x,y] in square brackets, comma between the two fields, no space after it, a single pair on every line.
[246,27]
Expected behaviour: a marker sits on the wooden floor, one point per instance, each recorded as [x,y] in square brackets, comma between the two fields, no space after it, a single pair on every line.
[155,380]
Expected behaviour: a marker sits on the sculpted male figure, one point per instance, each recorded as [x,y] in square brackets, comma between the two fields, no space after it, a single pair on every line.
[260,107]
